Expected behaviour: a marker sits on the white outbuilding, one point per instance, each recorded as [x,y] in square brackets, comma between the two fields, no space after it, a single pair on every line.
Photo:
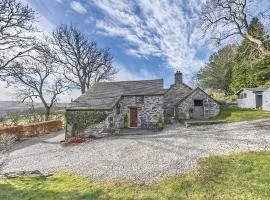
[258,98]
[266,99]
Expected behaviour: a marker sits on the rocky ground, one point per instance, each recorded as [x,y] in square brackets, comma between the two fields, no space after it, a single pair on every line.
[137,155]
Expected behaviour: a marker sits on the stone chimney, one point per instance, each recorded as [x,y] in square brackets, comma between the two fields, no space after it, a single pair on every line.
[178,78]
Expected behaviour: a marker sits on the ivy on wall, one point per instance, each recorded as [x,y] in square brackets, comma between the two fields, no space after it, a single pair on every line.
[81,120]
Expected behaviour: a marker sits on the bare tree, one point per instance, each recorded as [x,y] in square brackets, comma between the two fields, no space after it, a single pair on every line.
[38,77]
[232,17]
[16,22]
[83,63]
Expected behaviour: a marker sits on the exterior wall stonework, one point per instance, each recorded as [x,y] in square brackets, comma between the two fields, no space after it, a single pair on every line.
[174,94]
[211,107]
[148,112]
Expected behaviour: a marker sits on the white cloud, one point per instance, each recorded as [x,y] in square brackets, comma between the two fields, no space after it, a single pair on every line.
[78,7]
[125,74]
[161,28]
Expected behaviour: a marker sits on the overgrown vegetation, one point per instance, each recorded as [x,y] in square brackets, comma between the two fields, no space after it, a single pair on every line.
[232,113]
[81,120]
[237,176]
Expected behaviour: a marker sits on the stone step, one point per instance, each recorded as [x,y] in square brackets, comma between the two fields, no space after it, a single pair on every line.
[203,122]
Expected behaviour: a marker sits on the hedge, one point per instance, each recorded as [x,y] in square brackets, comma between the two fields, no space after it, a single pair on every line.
[32,129]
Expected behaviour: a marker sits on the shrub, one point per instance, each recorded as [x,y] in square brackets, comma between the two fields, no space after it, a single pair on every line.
[190,112]
[160,123]
[126,121]
[81,120]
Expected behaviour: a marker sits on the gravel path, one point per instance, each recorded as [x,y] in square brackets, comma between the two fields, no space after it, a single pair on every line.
[140,156]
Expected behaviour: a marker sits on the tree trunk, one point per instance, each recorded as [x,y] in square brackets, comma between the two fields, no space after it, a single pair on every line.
[259,43]
[47,113]
[83,89]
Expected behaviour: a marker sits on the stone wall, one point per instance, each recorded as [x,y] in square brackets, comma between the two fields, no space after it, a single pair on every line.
[172,96]
[211,107]
[148,112]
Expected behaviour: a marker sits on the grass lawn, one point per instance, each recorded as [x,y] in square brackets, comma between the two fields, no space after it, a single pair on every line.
[237,176]
[232,113]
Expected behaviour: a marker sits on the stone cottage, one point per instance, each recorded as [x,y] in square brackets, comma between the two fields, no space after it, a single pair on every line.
[144,102]
[141,101]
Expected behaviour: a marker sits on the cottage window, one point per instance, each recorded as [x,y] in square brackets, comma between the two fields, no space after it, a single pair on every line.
[118,109]
[140,99]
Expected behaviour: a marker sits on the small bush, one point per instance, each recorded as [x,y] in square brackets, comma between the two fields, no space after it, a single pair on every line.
[126,121]
[160,123]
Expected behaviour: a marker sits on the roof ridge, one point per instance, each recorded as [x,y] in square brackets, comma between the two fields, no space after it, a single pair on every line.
[133,81]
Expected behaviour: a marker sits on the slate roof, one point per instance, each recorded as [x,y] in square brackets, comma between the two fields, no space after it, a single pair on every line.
[252,89]
[104,96]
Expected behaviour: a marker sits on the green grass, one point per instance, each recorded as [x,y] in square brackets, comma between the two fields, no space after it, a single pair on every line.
[232,113]
[237,176]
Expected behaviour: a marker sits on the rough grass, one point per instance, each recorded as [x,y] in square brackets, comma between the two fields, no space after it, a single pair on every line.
[232,113]
[237,176]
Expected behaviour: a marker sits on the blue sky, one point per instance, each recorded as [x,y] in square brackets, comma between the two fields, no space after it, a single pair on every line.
[148,38]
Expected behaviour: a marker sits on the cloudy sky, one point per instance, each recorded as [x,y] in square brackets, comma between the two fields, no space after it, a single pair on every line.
[148,38]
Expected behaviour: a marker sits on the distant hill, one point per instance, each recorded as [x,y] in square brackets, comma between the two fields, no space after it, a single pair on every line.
[16,106]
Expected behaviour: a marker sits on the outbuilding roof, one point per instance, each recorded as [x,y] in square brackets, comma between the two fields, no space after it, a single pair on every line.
[104,96]
[252,90]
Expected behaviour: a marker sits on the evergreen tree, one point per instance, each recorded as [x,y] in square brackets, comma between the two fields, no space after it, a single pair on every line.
[217,74]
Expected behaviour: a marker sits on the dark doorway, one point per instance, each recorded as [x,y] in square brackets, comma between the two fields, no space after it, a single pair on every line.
[259,101]
[133,117]
[198,111]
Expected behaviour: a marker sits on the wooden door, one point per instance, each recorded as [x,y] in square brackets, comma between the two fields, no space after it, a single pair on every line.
[133,117]
[198,111]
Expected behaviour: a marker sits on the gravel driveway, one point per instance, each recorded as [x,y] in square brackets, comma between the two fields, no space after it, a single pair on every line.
[140,156]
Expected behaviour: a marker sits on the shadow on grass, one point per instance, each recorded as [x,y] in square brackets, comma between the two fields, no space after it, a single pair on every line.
[40,191]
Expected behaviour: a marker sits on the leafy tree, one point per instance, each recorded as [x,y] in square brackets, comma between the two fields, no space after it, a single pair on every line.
[217,74]
[251,69]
